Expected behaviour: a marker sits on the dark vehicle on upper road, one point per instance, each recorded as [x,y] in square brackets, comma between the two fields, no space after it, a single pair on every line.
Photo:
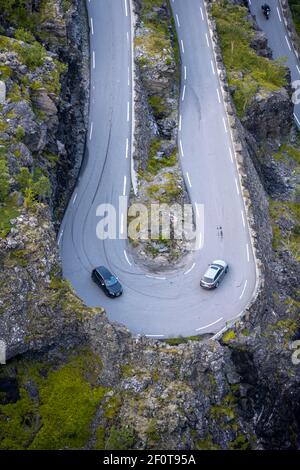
[108,282]
[214,274]
[266,10]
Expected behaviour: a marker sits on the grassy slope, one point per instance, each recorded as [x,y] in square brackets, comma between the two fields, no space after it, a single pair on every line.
[248,73]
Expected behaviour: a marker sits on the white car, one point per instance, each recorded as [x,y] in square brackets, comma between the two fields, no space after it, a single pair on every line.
[214,274]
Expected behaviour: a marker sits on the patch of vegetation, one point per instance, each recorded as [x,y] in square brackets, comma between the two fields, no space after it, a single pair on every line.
[181,340]
[34,186]
[112,407]
[289,239]
[288,151]
[8,212]
[295,9]
[248,73]
[228,336]
[59,416]
[152,432]
[120,439]
[207,444]
[158,106]
[240,443]
[155,163]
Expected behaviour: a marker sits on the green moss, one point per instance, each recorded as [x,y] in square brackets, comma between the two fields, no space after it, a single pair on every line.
[127,370]
[158,106]
[120,439]
[8,211]
[112,407]
[18,425]
[100,439]
[295,9]
[289,240]
[60,416]
[207,444]
[228,336]
[5,72]
[181,340]
[156,164]
[152,432]
[247,72]
[240,443]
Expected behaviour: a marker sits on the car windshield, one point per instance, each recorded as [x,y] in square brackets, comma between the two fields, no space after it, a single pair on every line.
[111,281]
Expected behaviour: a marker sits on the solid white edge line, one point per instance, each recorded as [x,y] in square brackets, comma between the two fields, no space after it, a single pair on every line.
[225,127]
[288,43]
[127,259]
[218,93]
[231,155]
[244,288]
[297,66]
[91,130]
[211,324]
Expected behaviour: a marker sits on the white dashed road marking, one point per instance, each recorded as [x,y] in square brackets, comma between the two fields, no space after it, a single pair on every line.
[191,268]
[188,178]
[244,288]
[211,324]
[126,257]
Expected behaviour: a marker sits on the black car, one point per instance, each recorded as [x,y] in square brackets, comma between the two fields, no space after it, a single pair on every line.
[107,281]
[214,274]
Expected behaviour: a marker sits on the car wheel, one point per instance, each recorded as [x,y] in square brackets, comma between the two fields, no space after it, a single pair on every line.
[226,270]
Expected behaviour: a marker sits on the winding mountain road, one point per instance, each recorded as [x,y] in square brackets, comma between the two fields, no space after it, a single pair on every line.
[278,40]
[171,303]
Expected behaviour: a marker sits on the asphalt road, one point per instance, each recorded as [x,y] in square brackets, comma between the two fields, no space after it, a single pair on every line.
[167,303]
[279,41]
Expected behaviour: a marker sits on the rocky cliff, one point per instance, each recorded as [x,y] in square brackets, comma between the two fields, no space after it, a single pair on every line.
[75,380]
[156,156]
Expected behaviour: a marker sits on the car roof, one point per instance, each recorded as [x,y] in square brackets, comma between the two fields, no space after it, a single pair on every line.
[211,272]
[104,271]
